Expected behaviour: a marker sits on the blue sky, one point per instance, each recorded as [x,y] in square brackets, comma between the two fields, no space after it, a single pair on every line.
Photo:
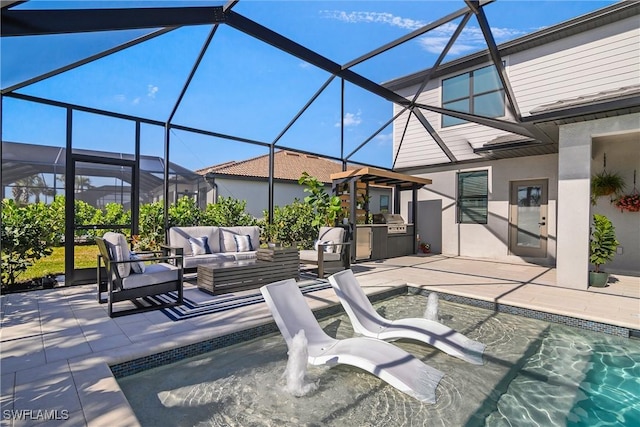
[243,86]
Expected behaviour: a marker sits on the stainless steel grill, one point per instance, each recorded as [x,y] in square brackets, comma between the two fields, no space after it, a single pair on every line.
[395,222]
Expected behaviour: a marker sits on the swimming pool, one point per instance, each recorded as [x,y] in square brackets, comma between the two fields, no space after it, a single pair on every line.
[535,373]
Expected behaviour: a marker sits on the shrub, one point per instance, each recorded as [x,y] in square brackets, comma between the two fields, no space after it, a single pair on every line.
[84,214]
[227,212]
[184,213]
[151,227]
[326,208]
[56,217]
[26,237]
[292,224]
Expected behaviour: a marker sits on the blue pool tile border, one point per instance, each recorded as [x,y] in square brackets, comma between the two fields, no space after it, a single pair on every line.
[135,366]
[124,369]
[527,312]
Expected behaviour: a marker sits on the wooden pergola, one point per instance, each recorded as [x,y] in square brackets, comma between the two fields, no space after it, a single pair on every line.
[380,177]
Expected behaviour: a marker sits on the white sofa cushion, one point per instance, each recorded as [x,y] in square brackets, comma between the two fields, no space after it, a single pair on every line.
[154,274]
[179,237]
[196,260]
[228,242]
[243,256]
[119,251]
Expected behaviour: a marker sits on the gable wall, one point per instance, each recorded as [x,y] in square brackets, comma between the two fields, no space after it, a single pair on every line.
[603,59]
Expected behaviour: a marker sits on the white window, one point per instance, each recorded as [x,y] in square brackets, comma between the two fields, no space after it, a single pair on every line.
[478,92]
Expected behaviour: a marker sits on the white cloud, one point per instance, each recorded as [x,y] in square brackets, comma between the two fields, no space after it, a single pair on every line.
[384,139]
[136,101]
[151,91]
[351,119]
[304,65]
[470,40]
[120,98]
[372,17]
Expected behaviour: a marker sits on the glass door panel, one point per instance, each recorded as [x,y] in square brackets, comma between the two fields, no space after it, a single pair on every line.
[102,201]
[528,218]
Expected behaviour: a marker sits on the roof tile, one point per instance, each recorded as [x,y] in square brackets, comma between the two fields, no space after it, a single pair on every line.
[288,165]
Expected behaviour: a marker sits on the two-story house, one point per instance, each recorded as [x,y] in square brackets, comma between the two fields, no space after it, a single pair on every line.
[512,160]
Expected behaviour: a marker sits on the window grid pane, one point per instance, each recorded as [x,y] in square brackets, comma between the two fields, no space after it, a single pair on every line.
[486,80]
[473,192]
[479,92]
[455,87]
[489,105]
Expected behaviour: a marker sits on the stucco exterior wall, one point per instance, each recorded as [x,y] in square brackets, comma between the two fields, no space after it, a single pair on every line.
[489,240]
[256,194]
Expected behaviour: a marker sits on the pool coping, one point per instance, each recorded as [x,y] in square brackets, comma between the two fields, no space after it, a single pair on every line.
[139,364]
[99,374]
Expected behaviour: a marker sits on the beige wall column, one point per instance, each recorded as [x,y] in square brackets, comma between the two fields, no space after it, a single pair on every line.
[574,177]
[574,207]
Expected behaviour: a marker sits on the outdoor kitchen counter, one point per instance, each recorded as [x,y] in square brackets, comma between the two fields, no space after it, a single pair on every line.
[384,244]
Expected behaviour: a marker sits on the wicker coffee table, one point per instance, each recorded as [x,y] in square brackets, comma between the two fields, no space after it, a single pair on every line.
[271,265]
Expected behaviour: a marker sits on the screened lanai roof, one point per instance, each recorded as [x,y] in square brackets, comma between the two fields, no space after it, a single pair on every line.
[24,160]
[302,76]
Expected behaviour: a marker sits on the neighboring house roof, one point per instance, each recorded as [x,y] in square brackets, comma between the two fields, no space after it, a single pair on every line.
[288,166]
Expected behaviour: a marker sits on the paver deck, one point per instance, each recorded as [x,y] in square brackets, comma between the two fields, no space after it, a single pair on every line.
[57,345]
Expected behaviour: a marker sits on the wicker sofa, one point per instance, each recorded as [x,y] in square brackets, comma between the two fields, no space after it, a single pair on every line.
[223,244]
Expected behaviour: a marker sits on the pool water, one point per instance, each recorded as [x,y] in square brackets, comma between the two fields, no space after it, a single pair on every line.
[535,374]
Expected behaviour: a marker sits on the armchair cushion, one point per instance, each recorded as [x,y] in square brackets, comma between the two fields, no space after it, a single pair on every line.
[312,255]
[118,251]
[154,274]
[334,234]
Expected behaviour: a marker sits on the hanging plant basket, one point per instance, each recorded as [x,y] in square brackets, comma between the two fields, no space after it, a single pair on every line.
[606,184]
[628,202]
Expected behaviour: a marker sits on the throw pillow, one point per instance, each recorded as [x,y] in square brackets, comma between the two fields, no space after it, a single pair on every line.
[199,245]
[324,242]
[243,243]
[118,251]
[136,265]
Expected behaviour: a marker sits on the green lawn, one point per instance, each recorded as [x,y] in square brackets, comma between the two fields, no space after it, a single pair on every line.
[85,256]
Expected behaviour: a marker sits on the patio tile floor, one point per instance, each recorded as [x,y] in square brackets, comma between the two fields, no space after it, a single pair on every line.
[56,345]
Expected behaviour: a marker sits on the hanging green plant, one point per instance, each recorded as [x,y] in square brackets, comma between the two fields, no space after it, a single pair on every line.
[606,184]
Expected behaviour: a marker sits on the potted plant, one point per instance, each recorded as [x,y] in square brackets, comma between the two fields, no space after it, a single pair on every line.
[628,202]
[602,248]
[605,184]
[425,248]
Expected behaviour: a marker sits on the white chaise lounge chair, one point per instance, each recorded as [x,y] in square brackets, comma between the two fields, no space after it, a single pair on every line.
[366,321]
[388,362]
